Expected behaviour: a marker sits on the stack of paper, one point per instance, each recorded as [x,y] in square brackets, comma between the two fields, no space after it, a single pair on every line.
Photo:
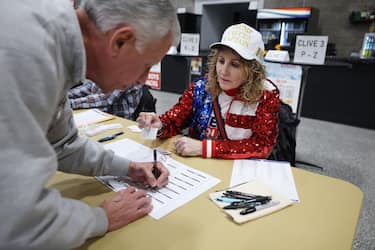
[275,174]
[91,116]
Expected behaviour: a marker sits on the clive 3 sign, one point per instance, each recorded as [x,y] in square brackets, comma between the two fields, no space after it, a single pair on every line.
[310,49]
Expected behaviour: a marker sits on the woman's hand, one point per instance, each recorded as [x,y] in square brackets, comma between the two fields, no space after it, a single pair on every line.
[188,147]
[148,120]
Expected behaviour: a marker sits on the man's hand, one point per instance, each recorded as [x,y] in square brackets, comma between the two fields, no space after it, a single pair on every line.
[188,147]
[130,204]
[142,171]
[125,207]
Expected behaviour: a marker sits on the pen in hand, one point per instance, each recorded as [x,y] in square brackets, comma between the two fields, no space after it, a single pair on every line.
[110,137]
[155,170]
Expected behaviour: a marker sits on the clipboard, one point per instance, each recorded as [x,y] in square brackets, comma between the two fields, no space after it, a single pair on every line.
[254,187]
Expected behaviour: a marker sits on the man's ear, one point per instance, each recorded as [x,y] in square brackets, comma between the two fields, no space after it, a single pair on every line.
[120,37]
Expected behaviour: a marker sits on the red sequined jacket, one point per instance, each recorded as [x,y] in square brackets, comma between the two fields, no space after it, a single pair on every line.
[251,130]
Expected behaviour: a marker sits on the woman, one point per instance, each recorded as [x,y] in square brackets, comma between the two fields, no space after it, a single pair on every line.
[233,112]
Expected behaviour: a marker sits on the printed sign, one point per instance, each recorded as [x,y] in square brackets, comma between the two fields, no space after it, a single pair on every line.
[196,66]
[310,49]
[153,79]
[189,44]
[288,78]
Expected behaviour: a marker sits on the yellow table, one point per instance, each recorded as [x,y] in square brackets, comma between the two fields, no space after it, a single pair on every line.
[326,217]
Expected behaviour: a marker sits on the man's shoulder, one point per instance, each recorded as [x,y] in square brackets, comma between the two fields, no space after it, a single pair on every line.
[43,12]
[47,30]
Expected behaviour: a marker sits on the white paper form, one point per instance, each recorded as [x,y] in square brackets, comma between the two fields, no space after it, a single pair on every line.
[185,183]
[276,174]
[149,133]
[91,116]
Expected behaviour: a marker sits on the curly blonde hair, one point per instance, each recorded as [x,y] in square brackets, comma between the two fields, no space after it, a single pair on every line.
[250,90]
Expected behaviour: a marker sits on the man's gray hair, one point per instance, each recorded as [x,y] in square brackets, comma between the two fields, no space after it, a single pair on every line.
[151,19]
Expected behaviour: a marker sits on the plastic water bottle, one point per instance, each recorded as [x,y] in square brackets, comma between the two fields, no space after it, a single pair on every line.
[368,46]
[365,47]
[372,47]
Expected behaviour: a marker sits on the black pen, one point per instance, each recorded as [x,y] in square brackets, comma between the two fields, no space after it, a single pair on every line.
[252,209]
[155,170]
[110,137]
[239,193]
[236,205]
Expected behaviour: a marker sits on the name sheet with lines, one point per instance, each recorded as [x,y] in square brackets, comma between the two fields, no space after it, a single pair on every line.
[91,116]
[185,183]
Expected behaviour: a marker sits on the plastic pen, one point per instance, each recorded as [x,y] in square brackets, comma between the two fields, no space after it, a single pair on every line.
[260,199]
[231,192]
[245,196]
[252,209]
[228,199]
[236,205]
[110,137]
[155,170]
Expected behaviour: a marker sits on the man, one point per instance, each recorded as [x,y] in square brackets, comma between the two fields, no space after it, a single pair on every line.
[121,102]
[45,49]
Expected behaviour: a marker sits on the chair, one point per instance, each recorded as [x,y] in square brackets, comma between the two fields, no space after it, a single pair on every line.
[147,103]
[285,148]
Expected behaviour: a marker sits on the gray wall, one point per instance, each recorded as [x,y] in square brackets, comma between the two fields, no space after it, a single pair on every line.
[333,18]
[215,18]
[188,4]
